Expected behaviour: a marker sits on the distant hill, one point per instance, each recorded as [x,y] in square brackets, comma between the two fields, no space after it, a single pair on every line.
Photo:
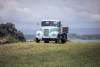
[80,31]
[72,36]
[30,37]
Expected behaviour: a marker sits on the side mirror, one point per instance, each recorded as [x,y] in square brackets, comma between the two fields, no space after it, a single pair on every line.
[37,23]
[58,25]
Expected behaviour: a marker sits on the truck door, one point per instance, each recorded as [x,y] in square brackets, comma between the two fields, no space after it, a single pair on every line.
[59,27]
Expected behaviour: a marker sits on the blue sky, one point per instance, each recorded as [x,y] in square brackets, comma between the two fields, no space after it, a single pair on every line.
[73,13]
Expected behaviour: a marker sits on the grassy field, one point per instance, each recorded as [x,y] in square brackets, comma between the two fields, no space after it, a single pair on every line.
[31,54]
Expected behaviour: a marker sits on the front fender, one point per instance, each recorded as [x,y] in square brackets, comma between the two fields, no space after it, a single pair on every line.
[39,34]
[54,34]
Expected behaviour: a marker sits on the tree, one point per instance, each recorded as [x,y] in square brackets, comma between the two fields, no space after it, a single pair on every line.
[3,30]
[9,29]
[20,36]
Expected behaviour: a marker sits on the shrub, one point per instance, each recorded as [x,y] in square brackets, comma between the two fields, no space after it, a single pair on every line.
[11,39]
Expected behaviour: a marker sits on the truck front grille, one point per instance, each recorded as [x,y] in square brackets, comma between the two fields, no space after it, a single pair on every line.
[46,32]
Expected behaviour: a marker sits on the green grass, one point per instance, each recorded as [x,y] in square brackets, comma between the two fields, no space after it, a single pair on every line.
[31,54]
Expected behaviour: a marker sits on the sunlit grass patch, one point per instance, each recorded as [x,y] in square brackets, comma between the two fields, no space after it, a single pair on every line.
[31,54]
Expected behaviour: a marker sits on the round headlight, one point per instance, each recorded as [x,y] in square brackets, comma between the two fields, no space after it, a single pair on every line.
[38,34]
[53,34]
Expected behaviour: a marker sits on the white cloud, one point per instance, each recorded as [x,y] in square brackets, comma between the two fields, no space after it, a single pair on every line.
[95,18]
[25,12]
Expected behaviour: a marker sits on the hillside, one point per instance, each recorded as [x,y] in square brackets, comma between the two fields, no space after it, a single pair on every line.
[30,37]
[80,31]
[72,36]
[31,54]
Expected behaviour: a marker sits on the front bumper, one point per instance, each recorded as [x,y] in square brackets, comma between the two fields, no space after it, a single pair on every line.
[48,39]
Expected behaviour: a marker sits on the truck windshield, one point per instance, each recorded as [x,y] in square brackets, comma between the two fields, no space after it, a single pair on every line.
[49,23]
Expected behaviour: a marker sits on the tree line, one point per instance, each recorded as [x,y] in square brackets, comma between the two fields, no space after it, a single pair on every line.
[73,36]
[10,34]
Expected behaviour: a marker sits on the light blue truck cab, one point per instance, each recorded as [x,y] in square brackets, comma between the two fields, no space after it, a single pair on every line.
[51,30]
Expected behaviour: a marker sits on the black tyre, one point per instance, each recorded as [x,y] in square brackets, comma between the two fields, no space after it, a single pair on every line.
[64,40]
[66,37]
[37,40]
[46,41]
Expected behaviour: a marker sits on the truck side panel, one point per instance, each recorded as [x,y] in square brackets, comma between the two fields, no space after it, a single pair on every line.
[65,29]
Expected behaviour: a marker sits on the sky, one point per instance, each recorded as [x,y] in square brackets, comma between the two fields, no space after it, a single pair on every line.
[25,14]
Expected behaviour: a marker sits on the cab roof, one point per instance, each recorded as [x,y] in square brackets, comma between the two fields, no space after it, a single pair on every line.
[50,20]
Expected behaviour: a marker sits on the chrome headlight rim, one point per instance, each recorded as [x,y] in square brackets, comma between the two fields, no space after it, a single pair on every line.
[53,34]
[38,34]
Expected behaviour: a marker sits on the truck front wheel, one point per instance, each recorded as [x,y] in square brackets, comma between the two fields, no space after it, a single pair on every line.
[57,40]
[37,40]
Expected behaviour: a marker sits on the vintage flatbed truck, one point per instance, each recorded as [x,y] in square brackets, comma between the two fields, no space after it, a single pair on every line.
[52,30]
